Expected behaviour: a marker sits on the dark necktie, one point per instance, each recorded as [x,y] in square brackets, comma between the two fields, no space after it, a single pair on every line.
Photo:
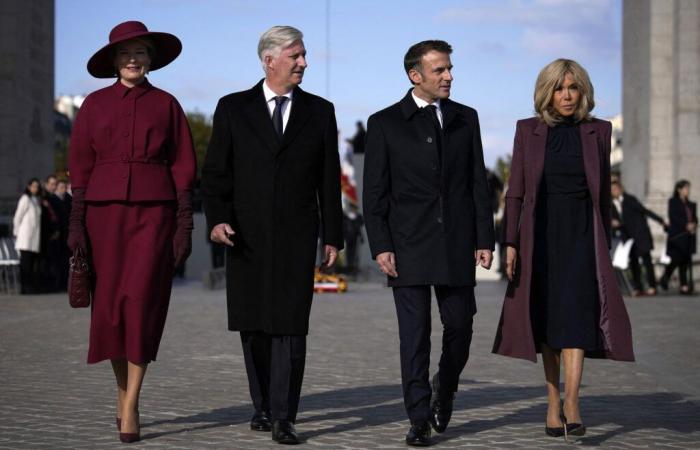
[432,112]
[277,115]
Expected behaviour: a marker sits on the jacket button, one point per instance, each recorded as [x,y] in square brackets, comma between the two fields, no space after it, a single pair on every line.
[429,140]
[125,157]
[434,166]
[439,219]
[125,134]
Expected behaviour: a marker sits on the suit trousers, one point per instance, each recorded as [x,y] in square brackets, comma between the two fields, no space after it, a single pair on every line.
[29,271]
[636,269]
[683,264]
[457,308]
[275,368]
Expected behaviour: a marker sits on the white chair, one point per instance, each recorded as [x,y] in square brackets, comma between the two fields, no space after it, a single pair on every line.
[9,267]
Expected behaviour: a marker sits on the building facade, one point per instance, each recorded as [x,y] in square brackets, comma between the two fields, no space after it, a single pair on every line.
[26,96]
[661,99]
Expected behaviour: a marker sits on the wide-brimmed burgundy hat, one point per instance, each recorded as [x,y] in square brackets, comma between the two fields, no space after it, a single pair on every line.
[167,48]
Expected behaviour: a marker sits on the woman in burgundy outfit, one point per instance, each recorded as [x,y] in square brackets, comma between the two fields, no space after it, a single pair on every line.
[132,166]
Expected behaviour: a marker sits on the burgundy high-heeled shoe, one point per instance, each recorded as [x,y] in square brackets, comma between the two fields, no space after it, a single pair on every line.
[128,438]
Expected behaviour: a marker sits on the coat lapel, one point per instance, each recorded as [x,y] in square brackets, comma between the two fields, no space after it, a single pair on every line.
[591,159]
[539,143]
[449,114]
[259,117]
[298,116]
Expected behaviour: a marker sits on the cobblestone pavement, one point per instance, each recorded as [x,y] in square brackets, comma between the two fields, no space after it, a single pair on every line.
[195,395]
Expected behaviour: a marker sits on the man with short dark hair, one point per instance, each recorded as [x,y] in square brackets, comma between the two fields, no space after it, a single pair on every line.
[429,221]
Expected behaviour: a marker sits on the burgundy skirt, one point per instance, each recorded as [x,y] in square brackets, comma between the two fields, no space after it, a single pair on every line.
[132,256]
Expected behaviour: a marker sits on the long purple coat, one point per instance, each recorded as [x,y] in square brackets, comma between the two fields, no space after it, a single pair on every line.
[515,336]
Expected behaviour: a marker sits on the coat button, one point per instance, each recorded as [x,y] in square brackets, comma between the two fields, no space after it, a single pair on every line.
[125,134]
[439,219]
[434,166]
[125,157]
[429,140]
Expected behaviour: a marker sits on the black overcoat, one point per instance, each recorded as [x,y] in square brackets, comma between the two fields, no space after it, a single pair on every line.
[634,222]
[680,244]
[275,195]
[432,216]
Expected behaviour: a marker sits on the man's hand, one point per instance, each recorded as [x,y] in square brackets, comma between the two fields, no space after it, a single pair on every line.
[220,234]
[483,257]
[511,258]
[387,263]
[330,254]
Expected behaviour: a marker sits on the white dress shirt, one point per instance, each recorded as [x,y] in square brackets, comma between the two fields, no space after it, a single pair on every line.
[422,104]
[618,205]
[270,99]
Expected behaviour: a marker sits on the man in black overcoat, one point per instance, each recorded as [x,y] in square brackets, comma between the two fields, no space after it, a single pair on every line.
[629,220]
[429,221]
[271,176]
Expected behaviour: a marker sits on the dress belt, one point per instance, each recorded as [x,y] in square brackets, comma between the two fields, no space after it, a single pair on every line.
[580,195]
[129,159]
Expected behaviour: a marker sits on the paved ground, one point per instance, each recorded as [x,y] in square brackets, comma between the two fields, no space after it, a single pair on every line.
[195,396]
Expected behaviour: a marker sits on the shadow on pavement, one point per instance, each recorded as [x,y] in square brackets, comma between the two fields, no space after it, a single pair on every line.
[370,406]
[630,413]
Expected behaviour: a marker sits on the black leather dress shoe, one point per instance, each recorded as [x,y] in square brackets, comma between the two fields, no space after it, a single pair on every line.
[261,422]
[419,435]
[283,432]
[441,409]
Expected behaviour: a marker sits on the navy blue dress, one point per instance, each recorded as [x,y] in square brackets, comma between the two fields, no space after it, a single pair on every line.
[565,307]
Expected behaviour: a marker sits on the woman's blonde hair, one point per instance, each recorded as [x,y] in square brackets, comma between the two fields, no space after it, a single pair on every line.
[550,79]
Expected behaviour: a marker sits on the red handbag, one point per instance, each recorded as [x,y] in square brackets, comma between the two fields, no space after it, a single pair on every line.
[79,280]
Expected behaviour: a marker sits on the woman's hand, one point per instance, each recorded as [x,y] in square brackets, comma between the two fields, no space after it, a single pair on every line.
[511,259]
[77,235]
[182,241]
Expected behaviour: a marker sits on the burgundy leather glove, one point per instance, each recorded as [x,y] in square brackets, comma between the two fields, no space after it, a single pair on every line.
[77,234]
[182,241]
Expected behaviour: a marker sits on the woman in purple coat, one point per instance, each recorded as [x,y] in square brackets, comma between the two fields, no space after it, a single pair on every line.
[562,299]
[132,167]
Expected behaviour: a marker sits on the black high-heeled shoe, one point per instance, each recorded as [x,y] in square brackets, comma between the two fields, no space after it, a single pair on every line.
[574,429]
[556,432]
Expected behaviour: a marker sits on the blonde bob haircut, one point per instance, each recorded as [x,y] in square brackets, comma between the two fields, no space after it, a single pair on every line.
[550,79]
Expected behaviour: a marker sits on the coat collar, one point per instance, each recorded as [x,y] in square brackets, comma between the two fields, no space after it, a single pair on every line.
[259,117]
[409,108]
[138,90]
[408,105]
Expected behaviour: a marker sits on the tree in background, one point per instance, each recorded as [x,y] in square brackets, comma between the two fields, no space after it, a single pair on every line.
[502,168]
[201,126]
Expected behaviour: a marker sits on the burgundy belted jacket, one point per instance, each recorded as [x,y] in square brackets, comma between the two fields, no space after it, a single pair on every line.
[131,145]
